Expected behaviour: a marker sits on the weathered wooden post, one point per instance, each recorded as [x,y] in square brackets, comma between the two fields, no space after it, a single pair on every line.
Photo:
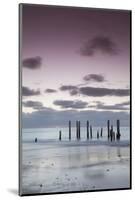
[87,129]
[101,133]
[108,128]
[69,130]
[118,126]
[97,134]
[111,133]
[118,130]
[60,135]
[79,130]
[91,131]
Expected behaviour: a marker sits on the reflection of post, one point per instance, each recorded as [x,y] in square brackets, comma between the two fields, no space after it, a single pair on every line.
[101,134]
[90,131]
[108,128]
[119,152]
[60,135]
[69,130]
[87,129]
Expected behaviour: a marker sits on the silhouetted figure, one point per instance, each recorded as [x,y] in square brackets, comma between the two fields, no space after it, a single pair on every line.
[35,140]
[60,135]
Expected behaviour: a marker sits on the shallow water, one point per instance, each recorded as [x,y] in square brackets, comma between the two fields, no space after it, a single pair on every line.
[53,133]
[58,166]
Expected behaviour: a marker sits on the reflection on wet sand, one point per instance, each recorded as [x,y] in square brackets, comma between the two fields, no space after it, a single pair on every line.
[84,167]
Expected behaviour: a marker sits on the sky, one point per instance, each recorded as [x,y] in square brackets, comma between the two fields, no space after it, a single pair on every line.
[75,65]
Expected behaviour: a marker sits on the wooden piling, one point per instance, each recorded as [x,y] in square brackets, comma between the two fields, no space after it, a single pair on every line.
[111,133]
[76,129]
[91,131]
[69,130]
[60,135]
[87,129]
[79,130]
[101,133]
[118,130]
[108,128]
[118,126]
[97,134]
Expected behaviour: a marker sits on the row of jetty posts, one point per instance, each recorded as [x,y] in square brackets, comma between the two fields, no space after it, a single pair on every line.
[111,135]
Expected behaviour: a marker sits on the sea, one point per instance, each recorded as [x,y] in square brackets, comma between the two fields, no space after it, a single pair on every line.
[52,134]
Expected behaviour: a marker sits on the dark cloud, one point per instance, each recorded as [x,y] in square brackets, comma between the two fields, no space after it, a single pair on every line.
[73,90]
[36,105]
[32,63]
[68,87]
[50,90]
[94,77]
[99,43]
[94,91]
[33,104]
[100,92]
[120,106]
[53,118]
[29,92]
[71,104]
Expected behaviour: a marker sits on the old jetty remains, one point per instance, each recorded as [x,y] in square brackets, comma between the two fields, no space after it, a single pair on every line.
[111,134]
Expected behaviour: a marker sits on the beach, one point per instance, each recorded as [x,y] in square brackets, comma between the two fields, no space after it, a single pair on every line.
[51,166]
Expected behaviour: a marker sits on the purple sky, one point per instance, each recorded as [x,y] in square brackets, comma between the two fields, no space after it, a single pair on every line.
[86,50]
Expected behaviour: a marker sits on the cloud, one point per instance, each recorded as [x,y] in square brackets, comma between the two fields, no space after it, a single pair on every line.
[32,63]
[53,118]
[100,92]
[73,90]
[71,104]
[94,91]
[29,92]
[94,77]
[67,87]
[33,104]
[99,43]
[120,106]
[50,90]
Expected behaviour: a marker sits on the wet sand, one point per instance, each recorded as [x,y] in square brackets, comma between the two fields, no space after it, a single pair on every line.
[74,166]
